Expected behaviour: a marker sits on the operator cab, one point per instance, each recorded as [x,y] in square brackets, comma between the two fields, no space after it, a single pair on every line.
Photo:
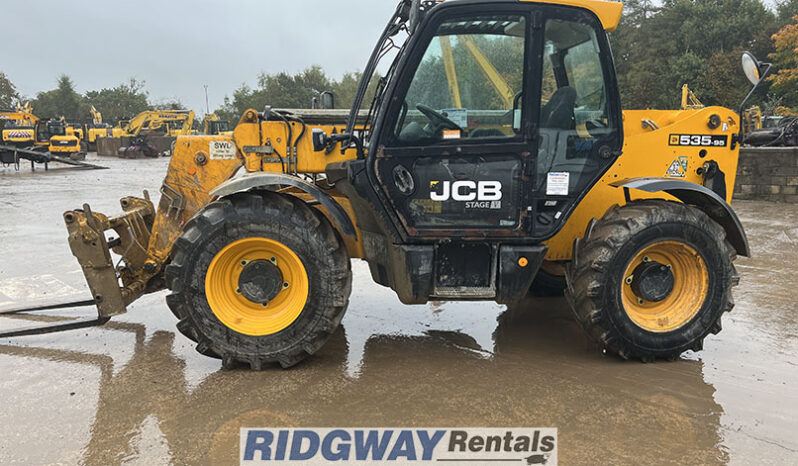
[484,159]
[218,127]
[488,129]
[45,130]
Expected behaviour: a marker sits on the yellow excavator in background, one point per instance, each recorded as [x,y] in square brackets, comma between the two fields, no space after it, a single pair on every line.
[17,129]
[212,125]
[149,134]
[96,129]
[161,122]
[118,130]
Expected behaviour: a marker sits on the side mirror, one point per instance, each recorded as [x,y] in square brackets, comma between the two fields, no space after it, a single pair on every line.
[755,71]
[751,67]
[320,139]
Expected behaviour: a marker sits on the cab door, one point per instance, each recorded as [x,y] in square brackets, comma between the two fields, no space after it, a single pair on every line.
[42,133]
[457,153]
[498,122]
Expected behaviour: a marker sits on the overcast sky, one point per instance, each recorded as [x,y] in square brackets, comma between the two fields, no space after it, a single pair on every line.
[177,46]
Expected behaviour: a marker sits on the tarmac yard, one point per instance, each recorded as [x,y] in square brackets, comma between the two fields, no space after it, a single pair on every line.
[136,392]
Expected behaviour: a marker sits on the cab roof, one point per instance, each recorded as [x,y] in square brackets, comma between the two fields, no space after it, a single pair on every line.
[609,13]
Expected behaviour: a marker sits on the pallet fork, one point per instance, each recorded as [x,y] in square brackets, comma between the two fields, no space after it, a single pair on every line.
[45,329]
[89,245]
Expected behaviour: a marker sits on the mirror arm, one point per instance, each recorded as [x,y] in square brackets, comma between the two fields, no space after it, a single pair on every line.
[740,134]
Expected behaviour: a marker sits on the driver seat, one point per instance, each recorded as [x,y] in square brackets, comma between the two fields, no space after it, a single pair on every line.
[558,113]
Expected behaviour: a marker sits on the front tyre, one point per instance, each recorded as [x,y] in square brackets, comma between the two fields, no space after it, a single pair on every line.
[652,279]
[259,278]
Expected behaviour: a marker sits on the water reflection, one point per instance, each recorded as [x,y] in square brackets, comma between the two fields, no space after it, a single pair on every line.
[540,371]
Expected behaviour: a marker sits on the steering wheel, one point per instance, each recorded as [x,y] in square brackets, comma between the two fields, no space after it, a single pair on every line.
[436,119]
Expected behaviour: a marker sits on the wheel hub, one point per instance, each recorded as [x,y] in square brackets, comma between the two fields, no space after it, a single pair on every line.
[260,281]
[652,281]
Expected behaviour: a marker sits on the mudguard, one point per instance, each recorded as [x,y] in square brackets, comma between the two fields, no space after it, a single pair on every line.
[273,180]
[701,197]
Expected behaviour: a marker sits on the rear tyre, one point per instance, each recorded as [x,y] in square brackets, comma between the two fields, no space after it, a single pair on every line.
[259,278]
[549,281]
[652,279]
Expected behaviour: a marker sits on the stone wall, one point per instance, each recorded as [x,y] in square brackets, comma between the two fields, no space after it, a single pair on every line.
[768,174]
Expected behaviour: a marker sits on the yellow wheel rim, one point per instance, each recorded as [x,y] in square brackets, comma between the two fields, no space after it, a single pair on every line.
[690,285]
[237,312]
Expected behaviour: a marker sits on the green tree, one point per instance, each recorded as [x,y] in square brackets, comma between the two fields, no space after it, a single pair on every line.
[169,104]
[61,101]
[123,101]
[785,10]
[345,89]
[660,48]
[228,112]
[8,93]
[283,90]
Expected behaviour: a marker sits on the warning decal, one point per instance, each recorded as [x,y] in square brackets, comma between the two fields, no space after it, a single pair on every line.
[222,150]
[678,168]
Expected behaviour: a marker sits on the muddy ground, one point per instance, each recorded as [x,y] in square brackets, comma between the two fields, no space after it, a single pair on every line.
[135,392]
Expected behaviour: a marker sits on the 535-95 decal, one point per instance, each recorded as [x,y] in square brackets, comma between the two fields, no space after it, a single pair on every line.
[698,140]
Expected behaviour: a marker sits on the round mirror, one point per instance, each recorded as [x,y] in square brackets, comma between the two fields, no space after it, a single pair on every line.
[751,67]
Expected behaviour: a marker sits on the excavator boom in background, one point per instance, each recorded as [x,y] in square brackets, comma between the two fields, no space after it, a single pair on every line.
[148,134]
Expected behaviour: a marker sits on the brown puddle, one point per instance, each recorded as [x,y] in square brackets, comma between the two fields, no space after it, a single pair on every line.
[134,392]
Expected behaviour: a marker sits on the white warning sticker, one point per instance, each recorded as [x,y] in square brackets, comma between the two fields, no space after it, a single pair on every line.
[224,150]
[557,183]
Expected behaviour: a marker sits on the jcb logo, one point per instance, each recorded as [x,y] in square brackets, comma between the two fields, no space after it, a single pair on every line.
[465,191]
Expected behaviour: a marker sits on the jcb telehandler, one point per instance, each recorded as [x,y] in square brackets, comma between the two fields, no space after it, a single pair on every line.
[446,199]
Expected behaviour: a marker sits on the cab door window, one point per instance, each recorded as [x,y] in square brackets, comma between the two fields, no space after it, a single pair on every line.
[468,85]
[577,134]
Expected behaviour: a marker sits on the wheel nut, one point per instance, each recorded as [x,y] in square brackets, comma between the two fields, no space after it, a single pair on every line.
[238,290]
[640,301]
[286,285]
[244,263]
[630,279]
[646,259]
[273,260]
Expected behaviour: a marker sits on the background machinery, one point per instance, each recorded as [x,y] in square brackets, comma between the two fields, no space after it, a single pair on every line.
[16,130]
[148,134]
[59,138]
[212,125]
[96,129]
[770,131]
[444,200]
